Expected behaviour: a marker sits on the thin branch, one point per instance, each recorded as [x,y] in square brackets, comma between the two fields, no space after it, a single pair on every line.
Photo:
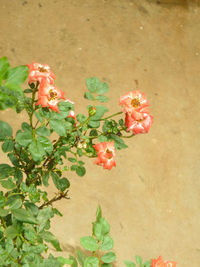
[56,198]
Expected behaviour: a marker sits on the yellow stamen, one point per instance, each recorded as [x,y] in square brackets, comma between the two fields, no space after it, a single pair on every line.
[135,102]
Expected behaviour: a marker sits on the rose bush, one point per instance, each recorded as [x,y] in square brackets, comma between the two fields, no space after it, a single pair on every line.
[35,157]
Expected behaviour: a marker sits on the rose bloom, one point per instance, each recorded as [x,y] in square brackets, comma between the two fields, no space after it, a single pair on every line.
[49,96]
[160,263]
[138,122]
[105,154]
[133,101]
[39,72]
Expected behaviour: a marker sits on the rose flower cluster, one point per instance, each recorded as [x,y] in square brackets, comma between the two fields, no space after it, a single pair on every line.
[160,263]
[48,94]
[137,117]
[134,103]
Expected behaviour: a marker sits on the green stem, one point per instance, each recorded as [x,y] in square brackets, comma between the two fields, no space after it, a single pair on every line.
[115,114]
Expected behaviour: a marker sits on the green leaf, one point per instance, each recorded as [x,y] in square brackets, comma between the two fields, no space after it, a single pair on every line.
[37,151]
[129,264]
[24,216]
[94,124]
[81,118]
[92,84]
[89,243]
[101,228]
[43,131]
[5,130]
[58,126]
[102,138]
[8,145]
[45,178]
[16,76]
[138,260]
[107,243]
[119,143]
[15,204]
[24,138]
[63,261]
[11,232]
[46,143]
[147,263]
[103,88]
[106,265]
[3,212]
[38,116]
[64,184]
[89,96]
[26,127]
[28,90]
[98,213]
[49,237]
[8,184]
[102,98]
[91,262]
[72,159]
[108,257]
[4,67]
[5,171]
[81,257]
[80,170]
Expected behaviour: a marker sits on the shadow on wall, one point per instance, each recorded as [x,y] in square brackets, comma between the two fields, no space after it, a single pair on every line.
[173,3]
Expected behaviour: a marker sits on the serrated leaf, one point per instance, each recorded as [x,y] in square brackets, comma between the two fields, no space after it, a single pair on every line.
[16,76]
[5,171]
[49,237]
[8,184]
[81,257]
[4,67]
[119,143]
[5,130]
[92,84]
[107,243]
[102,98]
[129,264]
[43,131]
[91,262]
[89,96]
[7,145]
[58,126]
[108,257]
[24,138]
[37,151]
[46,143]
[15,204]
[80,170]
[45,179]
[138,260]
[11,232]
[89,243]
[103,88]
[64,184]
[24,216]
[101,228]
[3,212]
[94,124]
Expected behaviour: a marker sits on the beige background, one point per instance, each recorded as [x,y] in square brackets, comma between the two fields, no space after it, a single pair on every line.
[152,198]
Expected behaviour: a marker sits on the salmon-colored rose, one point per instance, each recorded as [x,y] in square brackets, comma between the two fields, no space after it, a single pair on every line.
[105,154]
[160,263]
[138,122]
[39,72]
[133,101]
[49,96]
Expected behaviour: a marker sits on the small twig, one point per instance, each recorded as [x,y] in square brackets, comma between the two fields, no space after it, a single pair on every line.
[58,197]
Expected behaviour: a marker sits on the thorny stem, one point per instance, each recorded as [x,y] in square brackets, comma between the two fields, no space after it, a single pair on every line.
[59,196]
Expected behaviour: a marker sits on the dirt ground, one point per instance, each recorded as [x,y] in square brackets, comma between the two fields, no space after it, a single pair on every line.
[152,197]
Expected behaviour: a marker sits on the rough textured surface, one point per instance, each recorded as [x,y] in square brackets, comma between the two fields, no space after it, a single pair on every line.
[152,198]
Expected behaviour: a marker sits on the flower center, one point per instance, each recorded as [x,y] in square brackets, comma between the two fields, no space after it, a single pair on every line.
[135,102]
[52,94]
[42,69]
[109,153]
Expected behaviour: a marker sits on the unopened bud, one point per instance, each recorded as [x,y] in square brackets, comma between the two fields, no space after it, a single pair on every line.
[92,111]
